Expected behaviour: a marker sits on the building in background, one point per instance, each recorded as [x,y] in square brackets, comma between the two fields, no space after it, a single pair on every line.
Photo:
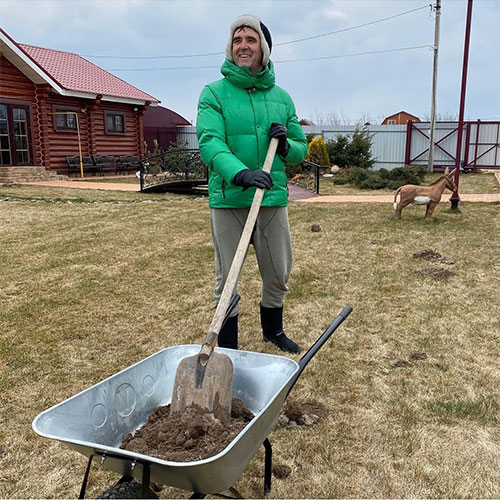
[54,104]
[161,124]
[401,118]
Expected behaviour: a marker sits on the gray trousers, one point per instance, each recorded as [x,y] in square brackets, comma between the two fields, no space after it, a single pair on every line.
[271,241]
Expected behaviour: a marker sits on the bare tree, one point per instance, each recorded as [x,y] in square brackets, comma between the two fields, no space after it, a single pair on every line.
[449,116]
[330,118]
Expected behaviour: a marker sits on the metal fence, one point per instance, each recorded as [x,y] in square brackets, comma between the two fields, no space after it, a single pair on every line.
[398,145]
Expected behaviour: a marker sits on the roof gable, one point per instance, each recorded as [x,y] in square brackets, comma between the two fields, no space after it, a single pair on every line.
[73,72]
[400,113]
[70,74]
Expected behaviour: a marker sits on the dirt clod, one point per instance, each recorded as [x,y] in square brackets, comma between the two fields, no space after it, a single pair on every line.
[401,363]
[315,228]
[304,413]
[281,471]
[418,356]
[189,436]
[437,273]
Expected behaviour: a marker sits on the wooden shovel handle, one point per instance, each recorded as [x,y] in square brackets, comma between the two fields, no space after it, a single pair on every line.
[239,257]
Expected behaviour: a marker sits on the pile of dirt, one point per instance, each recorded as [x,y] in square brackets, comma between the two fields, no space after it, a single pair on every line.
[431,255]
[437,273]
[297,413]
[189,436]
[281,471]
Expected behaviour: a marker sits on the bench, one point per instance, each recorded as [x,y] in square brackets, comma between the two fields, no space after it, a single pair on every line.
[74,165]
[105,164]
[127,163]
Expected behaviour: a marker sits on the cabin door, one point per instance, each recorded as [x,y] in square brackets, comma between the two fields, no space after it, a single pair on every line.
[15,135]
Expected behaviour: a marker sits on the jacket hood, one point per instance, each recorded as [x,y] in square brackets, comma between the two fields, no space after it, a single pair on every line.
[242,77]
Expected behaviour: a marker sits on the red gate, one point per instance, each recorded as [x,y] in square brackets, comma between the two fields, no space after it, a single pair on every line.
[480,148]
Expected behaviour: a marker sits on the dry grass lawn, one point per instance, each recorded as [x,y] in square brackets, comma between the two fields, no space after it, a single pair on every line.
[92,282]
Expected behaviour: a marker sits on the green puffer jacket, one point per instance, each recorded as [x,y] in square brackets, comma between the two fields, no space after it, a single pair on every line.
[234,118]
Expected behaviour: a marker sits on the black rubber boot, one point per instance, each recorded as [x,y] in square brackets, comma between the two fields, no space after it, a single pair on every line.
[271,319]
[228,336]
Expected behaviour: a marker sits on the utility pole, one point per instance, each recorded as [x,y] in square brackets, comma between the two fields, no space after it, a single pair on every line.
[430,166]
[455,198]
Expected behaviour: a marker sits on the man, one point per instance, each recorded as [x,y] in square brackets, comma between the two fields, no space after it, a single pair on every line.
[237,116]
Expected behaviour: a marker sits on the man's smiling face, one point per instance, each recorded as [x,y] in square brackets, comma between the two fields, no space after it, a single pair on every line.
[247,50]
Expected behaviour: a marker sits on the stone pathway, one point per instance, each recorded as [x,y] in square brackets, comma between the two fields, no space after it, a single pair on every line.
[296,193]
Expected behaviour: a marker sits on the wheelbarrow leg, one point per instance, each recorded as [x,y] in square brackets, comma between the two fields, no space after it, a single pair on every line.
[268,467]
[86,478]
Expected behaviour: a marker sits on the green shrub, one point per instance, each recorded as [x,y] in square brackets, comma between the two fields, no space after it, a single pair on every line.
[383,178]
[310,137]
[338,151]
[351,153]
[317,152]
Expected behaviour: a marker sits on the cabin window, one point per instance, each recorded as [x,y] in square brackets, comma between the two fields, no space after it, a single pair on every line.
[65,120]
[15,141]
[391,122]
[115,123]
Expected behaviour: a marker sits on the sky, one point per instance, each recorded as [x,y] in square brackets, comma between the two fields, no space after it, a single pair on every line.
[370,80]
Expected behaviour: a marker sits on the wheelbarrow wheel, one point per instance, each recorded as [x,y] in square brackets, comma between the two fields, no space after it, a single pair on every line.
[127,489]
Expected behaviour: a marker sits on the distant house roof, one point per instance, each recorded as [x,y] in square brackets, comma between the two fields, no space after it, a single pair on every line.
[160,116]
[70,74]
[306,123]
[401,113]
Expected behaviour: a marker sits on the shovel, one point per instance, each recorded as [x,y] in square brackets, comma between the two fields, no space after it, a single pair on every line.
[205,381]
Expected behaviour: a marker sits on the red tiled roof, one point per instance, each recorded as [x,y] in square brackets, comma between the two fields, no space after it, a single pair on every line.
[73,72]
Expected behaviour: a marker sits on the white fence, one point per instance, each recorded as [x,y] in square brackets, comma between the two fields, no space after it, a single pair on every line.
[389,143]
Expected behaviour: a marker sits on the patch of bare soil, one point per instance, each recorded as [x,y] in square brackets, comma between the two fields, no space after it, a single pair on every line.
[401,363]
[418,356]
[187,437]
[297,413]
[431,255]
[436,273]
[414,357]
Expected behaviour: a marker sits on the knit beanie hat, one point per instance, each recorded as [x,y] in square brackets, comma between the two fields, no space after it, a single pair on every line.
[255,23]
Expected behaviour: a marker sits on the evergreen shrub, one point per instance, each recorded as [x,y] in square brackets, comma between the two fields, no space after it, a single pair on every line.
[383,178]
[317,152]
[351,153]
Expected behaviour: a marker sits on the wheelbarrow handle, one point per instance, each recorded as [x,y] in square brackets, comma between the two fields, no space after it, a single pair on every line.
[304,360]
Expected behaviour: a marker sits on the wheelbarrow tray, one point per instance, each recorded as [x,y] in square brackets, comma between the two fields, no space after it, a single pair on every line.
[95,421]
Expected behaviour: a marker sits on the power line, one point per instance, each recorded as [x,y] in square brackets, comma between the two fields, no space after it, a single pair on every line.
[355,27]
[356,54]
[205,54]
[283,61]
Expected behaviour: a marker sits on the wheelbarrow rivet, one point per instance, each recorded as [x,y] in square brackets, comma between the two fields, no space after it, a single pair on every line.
[134,463]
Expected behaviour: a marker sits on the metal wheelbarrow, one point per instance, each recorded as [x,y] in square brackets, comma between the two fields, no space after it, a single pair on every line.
[95,421]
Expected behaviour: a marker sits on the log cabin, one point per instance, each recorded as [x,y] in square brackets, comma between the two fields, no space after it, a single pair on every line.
[55,105]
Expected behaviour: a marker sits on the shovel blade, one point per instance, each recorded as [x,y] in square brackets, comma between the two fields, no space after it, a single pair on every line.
[209,388]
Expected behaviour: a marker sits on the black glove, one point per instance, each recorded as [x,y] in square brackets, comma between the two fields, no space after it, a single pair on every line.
[253,178]
[279,131]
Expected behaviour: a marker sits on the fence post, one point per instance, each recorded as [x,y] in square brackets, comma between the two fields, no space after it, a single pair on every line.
[408,142]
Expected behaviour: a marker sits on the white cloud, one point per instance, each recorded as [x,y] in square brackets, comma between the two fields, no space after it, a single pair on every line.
[376,83]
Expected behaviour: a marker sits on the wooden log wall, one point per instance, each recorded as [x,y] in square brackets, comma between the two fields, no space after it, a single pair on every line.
[51,146]
[15,88]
